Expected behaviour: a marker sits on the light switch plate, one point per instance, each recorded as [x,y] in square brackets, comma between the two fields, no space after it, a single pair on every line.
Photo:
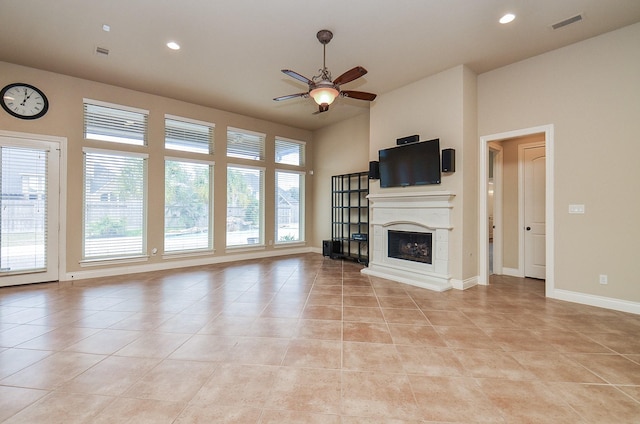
[576,208]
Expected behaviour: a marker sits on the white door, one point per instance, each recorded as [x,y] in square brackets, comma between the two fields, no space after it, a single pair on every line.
[534,212]
[29,182]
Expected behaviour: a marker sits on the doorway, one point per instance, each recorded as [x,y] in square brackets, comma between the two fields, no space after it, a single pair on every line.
[29,208]
[486,144]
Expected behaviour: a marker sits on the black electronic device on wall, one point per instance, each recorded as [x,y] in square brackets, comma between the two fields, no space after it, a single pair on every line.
[448,160]
[407,140]
[410,164]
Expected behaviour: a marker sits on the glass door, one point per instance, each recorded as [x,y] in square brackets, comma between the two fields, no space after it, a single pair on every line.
[29,197]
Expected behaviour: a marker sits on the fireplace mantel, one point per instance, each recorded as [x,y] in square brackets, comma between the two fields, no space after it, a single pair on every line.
[414,211]
[428,199]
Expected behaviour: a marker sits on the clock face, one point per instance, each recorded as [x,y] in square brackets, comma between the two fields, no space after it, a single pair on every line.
[24,101]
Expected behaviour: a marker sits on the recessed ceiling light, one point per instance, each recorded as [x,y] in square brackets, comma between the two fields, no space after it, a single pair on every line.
[106,28]
[509,17]
[173,45]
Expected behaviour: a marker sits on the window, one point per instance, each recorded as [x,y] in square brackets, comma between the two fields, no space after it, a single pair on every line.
[245,144]
[114,204]
[244,205]
[289,206]
[113,123]
[290,152]
[188,135]
[187,224]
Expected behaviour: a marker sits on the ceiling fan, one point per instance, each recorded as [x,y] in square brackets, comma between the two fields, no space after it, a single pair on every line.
[321,88]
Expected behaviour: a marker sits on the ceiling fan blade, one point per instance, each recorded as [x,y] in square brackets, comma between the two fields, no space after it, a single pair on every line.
[350,75]
[360,95]
[291,96]
[297,76]
[322,108]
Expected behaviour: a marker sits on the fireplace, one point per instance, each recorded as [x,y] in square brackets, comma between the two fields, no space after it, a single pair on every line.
[409,238]
[409,246]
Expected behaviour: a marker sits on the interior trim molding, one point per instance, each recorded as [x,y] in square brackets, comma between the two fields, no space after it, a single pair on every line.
[465,284]
[512,272]
[594,300]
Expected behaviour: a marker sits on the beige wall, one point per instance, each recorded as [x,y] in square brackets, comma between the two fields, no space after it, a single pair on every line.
[589,91]
[441,106]
[65,119]
[339,149]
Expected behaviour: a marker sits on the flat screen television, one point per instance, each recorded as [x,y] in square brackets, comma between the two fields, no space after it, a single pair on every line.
[410,164]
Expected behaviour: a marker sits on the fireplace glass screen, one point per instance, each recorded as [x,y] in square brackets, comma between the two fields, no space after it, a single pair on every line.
[410,246]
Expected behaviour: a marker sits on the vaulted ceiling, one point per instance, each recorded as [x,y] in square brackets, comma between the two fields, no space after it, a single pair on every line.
[232,51]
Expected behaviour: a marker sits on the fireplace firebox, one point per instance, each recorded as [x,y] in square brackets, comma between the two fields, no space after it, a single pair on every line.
[410,246]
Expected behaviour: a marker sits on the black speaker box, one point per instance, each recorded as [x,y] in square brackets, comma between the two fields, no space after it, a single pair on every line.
[448,160]
[374,170]
[406,140]
[329,247]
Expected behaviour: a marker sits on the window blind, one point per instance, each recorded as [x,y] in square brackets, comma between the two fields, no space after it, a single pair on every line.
[245,205]
[290,152]
[188,136]
[114,123]
[114,205]
[23,209]
[245,144]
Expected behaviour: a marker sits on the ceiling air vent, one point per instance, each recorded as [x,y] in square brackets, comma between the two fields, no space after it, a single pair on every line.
[567,21]
[102,51]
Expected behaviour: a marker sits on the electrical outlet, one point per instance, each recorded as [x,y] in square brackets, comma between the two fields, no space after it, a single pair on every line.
[604,279]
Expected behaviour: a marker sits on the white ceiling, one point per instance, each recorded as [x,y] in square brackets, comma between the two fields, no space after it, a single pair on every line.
[233,50]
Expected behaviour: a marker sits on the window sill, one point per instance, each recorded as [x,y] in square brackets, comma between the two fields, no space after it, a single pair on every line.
[113,261]
[245,248]
[187,254]
[290,244]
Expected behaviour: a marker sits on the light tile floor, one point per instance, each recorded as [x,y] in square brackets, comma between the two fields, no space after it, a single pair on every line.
[305,339]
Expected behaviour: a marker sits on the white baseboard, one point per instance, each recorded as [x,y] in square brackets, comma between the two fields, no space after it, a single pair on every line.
[599,301]
[183,263]
[316,250]
[512,272]
[465,284]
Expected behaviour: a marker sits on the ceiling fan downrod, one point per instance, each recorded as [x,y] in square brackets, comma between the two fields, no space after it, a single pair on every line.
[324,36]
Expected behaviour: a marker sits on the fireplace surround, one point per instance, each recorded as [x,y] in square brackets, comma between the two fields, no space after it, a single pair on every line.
[425,215]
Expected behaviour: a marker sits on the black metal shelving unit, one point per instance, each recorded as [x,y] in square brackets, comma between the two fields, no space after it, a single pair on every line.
[350,216]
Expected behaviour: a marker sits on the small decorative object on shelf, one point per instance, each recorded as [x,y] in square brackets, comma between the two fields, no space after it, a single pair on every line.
[350,216]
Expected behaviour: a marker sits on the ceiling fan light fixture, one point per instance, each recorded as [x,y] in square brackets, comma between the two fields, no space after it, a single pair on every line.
[324,94]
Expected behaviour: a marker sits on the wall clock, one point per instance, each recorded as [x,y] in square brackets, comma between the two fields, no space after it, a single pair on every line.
[24,101]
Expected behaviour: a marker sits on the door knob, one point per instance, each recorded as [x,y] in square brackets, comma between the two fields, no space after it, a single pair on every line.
[528,228]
